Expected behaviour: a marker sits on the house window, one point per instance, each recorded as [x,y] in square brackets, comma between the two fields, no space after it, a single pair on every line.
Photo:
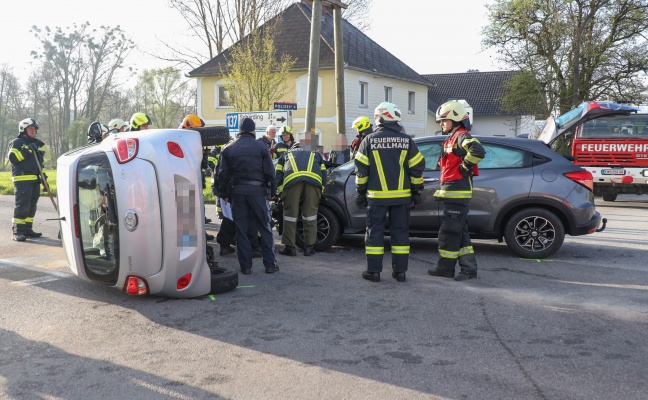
[364,94]
[411,102]
[224,98]
[388,94]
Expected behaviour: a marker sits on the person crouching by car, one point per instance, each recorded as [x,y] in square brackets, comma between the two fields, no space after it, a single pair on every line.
[245,177]
[300,176]
[26,178]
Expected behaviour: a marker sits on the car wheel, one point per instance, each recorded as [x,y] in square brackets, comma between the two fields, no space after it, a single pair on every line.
[609,196]
[328,230]
[214,135]
[534,233]
[223,280]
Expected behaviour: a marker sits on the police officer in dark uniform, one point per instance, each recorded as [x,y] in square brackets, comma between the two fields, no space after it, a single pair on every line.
[461,154]
[246,177]
[389,177]
[227,231]
[26,178]
[300,174]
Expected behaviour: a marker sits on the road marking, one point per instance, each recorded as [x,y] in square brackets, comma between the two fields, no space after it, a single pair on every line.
[5,264]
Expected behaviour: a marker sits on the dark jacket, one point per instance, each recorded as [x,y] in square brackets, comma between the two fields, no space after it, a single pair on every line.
[389,166]
[281,148]
[270,143]
[245,167]
[22,159]
[298,165]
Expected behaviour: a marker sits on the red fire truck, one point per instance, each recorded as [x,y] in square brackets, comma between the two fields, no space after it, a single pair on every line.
[609,140]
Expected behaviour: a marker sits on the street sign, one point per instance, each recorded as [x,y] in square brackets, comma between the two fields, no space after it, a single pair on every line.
[284,105]
[262,119]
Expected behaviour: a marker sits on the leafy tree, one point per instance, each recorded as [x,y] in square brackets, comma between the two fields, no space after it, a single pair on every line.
[573,50]
[165,96]
[10,101]
[256,76]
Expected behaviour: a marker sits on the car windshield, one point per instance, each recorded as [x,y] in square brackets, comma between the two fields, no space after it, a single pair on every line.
[618,126]
[97,218]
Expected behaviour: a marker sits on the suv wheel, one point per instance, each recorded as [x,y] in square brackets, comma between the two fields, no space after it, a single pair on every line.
[534,233]
[328,230]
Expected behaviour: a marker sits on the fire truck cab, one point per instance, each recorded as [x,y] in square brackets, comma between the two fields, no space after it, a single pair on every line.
[609,140]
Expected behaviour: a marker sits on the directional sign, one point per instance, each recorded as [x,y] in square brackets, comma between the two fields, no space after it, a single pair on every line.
[262,119]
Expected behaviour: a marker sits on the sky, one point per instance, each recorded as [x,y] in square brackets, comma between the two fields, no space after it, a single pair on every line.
[418,32]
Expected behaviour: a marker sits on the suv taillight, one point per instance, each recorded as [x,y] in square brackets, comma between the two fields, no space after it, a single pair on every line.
[125,149]
[583,178]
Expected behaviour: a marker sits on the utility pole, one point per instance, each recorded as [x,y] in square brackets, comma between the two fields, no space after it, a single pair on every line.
[313,65]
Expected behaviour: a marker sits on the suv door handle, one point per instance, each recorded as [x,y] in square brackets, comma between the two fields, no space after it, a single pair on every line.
[430,180]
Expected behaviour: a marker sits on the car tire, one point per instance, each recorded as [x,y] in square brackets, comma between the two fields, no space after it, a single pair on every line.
[223,280]
[534,233]
[328,230]
[609,196]
[214,135]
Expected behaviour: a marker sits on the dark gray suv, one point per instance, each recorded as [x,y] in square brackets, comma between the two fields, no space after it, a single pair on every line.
[525,193]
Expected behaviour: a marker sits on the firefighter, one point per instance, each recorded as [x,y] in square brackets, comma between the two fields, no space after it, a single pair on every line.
[26,178]
[226,233]
[140,122]
[363,126]
[459,159]
[300,176]
[189,122]
[95,133]
[389,178]
[287,140]
[116,126]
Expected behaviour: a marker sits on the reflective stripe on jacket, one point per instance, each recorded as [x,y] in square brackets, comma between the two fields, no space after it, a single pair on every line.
[298,165]
[389,166]
[459,148]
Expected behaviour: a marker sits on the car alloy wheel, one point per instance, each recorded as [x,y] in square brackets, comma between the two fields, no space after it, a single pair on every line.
[534,233]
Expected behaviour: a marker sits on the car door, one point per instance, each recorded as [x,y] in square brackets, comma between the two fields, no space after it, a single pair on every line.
[425,217]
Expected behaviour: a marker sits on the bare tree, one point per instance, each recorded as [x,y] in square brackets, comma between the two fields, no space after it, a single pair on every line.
[219,23]
[10,98]
[165,95]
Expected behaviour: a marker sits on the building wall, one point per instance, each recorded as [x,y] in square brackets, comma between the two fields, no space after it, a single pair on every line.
[415,123]
[326,120]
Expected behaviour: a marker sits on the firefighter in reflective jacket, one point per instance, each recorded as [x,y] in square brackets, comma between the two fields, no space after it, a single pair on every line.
[461,154]
[287,140]
[26,178]
[363,126]
[300,176]
[389,177]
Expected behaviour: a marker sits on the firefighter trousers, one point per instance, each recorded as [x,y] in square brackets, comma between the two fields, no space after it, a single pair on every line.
[399,236]
[27,194]
[454,239]
[309,196]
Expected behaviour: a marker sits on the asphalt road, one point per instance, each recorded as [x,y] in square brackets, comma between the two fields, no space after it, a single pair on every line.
[571,327]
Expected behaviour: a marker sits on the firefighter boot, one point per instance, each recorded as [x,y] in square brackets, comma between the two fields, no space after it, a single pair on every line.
[371,276]
[31,234]
[19,237]
[288,251]
[445,268]
[468,264]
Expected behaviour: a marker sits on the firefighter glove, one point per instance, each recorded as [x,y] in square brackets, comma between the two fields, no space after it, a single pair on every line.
[465,170]
[416,198]
[361,201]
[33,146]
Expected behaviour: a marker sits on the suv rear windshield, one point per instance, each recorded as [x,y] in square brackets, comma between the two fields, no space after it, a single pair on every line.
[97,216]
[618,126]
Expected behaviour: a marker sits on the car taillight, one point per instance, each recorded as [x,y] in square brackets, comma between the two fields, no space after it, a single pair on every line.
[184,281]
[583,178]
[136,286]
[175,149]
[77,229]
[125,149]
